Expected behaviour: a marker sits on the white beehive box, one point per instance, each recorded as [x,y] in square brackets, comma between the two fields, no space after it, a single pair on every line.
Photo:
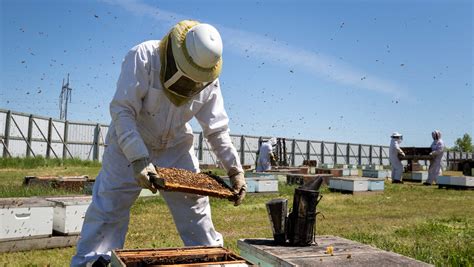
[69,213]
[355,185]
[346,172]
[25,218]
[266,185]
[258,184]
[354,172]
[462,180]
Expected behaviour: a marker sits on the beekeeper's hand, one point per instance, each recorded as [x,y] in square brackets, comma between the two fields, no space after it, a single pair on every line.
[237,180]
[144,171]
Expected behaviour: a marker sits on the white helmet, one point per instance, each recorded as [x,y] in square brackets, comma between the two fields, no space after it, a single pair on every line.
[204,45]
[272,141]
[396,135]
[436,134]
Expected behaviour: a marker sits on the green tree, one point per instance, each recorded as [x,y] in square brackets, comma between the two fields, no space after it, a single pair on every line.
[464,144]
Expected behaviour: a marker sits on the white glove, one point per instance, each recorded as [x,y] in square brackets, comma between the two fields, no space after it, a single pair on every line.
[143,172]
[237,180]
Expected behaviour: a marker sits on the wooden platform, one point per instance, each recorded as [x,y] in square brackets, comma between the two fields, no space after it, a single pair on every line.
[346,252]
[38,243]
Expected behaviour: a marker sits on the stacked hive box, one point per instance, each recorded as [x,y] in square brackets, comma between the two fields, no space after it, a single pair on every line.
[259,182]
[25,218]
[356,184]
[375,171]
[69,213]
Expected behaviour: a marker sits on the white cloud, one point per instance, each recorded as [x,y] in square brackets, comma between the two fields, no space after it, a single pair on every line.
[264,48]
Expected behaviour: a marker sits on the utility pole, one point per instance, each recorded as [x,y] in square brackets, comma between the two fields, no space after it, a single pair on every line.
[64,99]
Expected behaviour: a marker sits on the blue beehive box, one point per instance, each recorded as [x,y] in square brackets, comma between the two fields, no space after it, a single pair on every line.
[443,180]
[374,173]
[376,184]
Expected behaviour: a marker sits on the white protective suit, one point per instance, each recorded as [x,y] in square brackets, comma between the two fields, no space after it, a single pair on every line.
[146,124]
[263,161]
[397,166]
[437,148]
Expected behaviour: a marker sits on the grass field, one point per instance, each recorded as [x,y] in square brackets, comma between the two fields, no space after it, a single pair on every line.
[430,224]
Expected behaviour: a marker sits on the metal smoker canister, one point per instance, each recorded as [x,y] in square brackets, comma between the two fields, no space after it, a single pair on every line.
[302,219]
[277,212]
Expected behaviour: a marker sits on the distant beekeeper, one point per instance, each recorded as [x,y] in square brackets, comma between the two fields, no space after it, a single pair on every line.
[265,155]
[394,153]
[437,151]
[162,85]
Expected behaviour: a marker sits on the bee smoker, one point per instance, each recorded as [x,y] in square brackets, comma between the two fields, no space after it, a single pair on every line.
[298,227]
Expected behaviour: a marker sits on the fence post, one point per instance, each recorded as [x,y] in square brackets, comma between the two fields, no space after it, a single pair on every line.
[348,154]
[293,148]
[48,145]
[308,151]
[360,155]
[30,133]
[370,154]
[242,149]
[380,155]
[66,130]
[200,143]
[335,153]
[95,152]
[322,152]
[7,133]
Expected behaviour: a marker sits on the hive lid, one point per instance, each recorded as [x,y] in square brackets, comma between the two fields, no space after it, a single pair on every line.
[24,202]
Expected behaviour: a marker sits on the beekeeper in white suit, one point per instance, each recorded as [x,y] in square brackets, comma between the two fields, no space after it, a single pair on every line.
[394,152]
[162,85]
[265,155]
[437,151]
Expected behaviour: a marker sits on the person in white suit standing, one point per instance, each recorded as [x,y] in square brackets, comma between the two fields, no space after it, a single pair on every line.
[394,152]
[437,151]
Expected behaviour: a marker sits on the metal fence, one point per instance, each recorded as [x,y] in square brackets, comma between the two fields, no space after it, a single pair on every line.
[28,135]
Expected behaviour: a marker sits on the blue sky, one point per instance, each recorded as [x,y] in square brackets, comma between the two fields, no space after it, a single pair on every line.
[348,71]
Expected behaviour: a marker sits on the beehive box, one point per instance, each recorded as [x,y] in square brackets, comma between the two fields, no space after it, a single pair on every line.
[375,167]
[462,181]
[353,172]
[375,173]
[185,256]
[258,184]
[376,184]
[69,213]
[419,176]
[265,253]
[334,183]
[25,218]
[354,184]
[70,183]
[443,180]
[327,166]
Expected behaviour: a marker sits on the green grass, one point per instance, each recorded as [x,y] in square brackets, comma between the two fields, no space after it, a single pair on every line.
[426,223]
